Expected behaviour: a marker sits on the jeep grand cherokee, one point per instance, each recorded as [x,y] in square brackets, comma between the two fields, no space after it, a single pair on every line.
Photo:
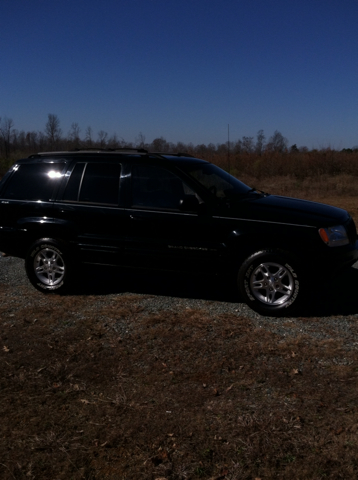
[138,209]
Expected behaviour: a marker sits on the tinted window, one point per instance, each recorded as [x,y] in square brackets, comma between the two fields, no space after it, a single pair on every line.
[94,183]
[217,181]
[155,187]
[33,181]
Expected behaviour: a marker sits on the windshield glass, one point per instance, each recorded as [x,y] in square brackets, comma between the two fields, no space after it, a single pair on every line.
[217,181]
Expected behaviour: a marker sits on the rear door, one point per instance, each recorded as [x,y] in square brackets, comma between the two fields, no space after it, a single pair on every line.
[92,208]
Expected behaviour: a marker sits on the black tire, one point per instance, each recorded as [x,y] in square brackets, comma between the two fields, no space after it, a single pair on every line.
[48,266]
[270,284]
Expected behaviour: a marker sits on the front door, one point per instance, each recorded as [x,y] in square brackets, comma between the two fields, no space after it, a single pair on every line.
[161,234]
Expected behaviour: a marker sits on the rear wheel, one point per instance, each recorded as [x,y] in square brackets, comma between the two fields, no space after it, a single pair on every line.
[47,266]
[269,283]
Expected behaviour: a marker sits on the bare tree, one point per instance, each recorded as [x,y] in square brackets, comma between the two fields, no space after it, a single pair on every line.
[5,131]
[113,142]
[18,140]
[89,136]
[102,138]
[159,145]
[53,130]
[237,148]
[277,143]
[211,149]
[74,135]
[42,140]
[201,150]
[140,140]
[248,144]
[260,142]
[180,147]
[31,141]
[294,149]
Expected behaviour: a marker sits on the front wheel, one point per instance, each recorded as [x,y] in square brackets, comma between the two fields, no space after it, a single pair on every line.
[47,266]
[270,283]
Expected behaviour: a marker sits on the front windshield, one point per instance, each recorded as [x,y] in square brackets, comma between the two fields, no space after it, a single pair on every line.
[217,181]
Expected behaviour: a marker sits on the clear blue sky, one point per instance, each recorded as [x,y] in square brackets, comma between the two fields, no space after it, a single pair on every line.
[184,69]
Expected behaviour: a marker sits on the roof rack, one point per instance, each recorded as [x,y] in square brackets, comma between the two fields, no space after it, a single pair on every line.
[174,154]
[142,151]
[121,149]
[131,149]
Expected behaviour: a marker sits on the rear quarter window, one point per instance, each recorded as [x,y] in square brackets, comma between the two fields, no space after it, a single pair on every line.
[33,182]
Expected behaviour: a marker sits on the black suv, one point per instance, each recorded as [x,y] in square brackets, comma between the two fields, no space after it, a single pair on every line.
[138,209]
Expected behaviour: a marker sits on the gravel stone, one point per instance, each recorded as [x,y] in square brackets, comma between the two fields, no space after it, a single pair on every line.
[320,324]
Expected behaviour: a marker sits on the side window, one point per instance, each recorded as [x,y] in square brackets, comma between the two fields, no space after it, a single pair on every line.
[33,181]
[94,183]
[155,187]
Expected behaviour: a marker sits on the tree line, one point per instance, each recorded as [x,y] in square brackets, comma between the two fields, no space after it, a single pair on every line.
[13,141]
[255,155]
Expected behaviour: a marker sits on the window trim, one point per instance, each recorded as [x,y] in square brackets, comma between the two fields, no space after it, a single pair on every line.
[147,208]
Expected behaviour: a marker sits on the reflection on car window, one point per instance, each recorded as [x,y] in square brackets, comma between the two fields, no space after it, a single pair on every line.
[217,181]
[155,187]
[34,182]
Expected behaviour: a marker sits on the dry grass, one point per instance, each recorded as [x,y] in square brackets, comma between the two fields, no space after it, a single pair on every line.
[92,387]
[180,396]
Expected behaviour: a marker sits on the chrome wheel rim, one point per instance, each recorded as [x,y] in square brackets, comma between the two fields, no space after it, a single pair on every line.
[49,267]
[272,283]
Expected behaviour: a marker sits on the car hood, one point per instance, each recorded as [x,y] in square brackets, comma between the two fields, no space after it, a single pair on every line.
[273,208]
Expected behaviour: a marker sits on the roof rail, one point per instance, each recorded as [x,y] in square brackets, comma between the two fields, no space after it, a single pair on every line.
[113,150]
[174,154]
[90,149]
[121,149]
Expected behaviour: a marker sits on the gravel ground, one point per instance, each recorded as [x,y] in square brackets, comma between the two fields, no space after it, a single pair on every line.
[331,312]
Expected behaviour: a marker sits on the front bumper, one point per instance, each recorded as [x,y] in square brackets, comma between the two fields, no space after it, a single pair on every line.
[336,259]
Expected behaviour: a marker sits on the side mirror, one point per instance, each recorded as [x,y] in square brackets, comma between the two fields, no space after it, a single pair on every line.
[189,204]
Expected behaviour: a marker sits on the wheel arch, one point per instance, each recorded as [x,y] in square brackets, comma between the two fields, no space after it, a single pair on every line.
[38,228]
[242,246]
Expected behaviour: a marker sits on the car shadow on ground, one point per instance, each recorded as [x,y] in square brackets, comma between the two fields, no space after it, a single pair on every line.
[109,280]
[332,297]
